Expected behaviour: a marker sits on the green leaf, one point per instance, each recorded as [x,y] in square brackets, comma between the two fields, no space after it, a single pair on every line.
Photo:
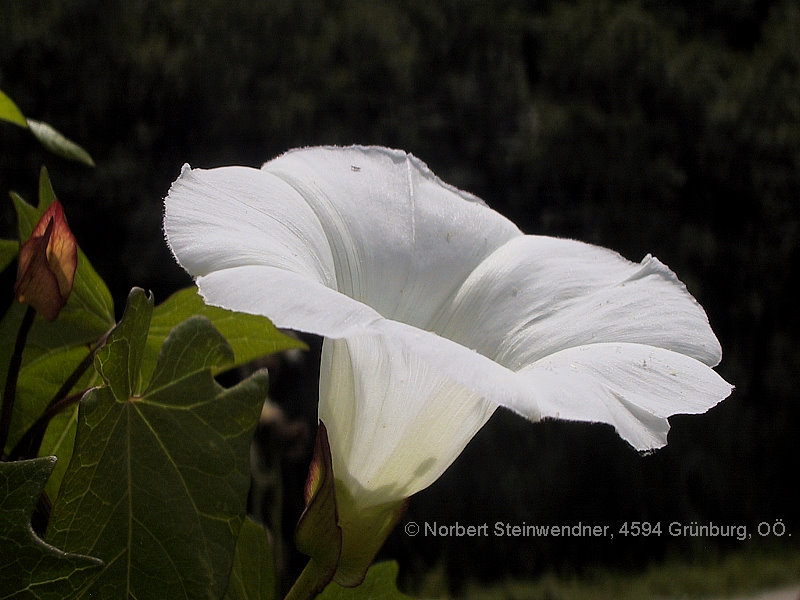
[46,192]
[205,348]
[250,336]
[8,252]
[253,576]
[30,568]
[10,112]
[364,530]
[379,584]
[88,314]
[48,137]
[161,477]
[118,361]
[27,215]
[53,352]
[39,380]
[59,441]
[56,143]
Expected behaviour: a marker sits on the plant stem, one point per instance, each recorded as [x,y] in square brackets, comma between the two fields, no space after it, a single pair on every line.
[14,364]
[311,582]
[76,374]
[29,444]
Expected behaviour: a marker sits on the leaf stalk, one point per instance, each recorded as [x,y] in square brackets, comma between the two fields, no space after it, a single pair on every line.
[10,392]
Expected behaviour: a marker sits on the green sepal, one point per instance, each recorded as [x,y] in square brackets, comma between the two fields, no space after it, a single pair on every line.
[364,530]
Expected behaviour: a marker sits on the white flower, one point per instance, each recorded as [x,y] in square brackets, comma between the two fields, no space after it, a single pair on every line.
[436,310]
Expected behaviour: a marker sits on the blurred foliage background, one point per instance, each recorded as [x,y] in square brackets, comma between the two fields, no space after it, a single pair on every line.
[662,126]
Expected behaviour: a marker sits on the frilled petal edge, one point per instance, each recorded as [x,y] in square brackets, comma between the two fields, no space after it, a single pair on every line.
[538,295]
[630,386]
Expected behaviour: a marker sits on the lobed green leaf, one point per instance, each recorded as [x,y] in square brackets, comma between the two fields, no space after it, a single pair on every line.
[201,347]
[30,568]
[158,483]
[119,360]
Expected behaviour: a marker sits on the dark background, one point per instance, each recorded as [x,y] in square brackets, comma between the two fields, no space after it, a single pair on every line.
[670,127]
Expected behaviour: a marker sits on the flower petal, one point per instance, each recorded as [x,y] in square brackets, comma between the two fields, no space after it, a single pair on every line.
[47,263]
[630,386]
[238,216]
[294,302]
[62,250]
[395,424]
[402,240]
[371,223]
[289,300]
[539,295]
[36,283]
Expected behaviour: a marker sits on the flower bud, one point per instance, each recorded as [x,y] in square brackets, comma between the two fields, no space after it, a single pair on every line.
[47,263]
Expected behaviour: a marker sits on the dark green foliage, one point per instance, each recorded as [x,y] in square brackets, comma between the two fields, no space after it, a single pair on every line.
[253,574]
[30,568]
[647,126]
[160,468]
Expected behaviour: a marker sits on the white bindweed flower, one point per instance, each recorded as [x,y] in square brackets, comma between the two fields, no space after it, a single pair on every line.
[436,310]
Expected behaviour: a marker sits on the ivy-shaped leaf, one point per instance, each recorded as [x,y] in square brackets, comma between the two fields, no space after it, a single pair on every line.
[30,568]
[118,361]
[253,576]
[379,584]
[158,483]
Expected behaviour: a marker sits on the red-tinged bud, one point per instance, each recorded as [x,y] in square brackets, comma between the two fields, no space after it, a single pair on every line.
[318,534]
[47,263]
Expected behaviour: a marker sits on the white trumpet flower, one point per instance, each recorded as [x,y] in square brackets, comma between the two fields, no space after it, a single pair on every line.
[436,310]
